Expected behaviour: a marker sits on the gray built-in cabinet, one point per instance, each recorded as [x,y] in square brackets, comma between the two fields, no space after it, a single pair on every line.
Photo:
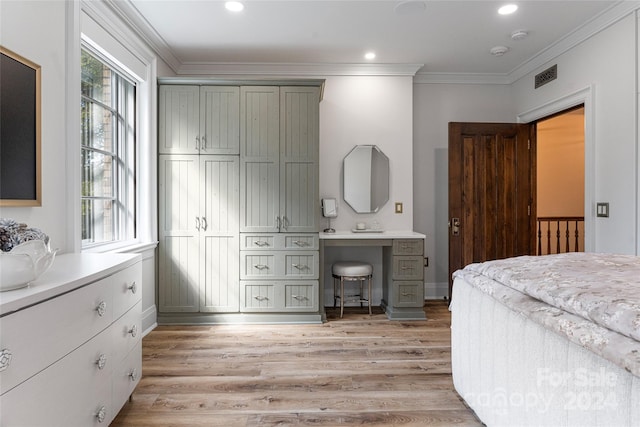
[238,202]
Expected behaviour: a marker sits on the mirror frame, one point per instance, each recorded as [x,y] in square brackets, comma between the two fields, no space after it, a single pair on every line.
[361,194]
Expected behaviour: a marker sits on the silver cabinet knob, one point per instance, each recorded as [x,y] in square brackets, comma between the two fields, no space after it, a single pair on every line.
[101,308]
[102,361]
[133,331]
[133,287]
[5,358]
[133,375]
[101,415]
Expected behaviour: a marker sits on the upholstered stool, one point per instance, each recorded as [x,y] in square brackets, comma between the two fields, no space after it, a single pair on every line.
[351,271]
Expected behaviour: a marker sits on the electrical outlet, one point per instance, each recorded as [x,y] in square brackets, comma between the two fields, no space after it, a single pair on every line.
[398,207]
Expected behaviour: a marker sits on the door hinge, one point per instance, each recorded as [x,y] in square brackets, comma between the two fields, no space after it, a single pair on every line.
[529,210]
[528,144]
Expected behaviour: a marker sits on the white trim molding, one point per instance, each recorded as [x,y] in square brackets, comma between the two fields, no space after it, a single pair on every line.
[584,96]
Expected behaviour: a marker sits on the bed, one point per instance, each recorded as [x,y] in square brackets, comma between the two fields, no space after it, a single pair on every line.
[549,340]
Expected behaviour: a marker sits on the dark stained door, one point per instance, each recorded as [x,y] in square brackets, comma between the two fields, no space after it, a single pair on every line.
[491,192]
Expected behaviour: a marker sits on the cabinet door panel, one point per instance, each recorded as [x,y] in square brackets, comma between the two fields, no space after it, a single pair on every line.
[219,195]
[220,119]
[178,119]
[299,204]
[259,205]
[178,249]
[219,279]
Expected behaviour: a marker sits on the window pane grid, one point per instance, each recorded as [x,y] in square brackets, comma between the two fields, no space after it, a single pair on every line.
[108,154]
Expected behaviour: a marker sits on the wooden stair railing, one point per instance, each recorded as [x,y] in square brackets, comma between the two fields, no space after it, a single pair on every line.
[568,224]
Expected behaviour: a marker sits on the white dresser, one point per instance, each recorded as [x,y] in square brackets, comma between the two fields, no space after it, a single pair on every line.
[70,343]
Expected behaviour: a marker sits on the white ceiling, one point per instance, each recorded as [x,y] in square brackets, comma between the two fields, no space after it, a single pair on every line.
[444,36]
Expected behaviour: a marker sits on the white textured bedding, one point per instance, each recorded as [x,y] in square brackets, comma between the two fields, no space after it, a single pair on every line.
[518,361]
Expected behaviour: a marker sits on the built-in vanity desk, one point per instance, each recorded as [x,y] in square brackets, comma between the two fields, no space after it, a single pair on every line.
[402,265]
[70,349]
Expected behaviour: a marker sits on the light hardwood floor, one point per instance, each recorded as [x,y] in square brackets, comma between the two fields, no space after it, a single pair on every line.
[359,370]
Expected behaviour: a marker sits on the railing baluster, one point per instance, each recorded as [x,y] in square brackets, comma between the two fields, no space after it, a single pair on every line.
[566,221]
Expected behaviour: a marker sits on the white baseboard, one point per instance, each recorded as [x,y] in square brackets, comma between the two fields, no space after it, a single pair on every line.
[149,320]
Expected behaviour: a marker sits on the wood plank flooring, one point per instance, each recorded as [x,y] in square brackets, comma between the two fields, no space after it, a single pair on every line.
[359,370]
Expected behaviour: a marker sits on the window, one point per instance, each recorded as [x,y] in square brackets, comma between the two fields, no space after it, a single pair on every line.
[108,154]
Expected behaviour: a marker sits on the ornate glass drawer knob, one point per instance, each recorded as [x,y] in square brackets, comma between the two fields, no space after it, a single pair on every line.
[101,415]
[5,358]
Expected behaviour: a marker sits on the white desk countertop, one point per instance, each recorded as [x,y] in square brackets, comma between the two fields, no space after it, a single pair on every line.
[386,234]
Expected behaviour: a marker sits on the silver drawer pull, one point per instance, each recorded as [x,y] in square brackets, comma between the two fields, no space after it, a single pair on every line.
[102,361]
[101,308]
[300,266]
[261,266]
[300,243]
[406,268]
[197,143]
[261,243]
[133,287]
[133,331]
[261,298]
[133,375]
[101,414]
[299,297]
[404,294]
[5,358]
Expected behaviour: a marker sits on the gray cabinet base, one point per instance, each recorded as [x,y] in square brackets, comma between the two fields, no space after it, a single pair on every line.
[403,313]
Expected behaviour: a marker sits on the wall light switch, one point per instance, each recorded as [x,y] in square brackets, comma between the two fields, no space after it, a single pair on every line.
[602,210]
[398,207]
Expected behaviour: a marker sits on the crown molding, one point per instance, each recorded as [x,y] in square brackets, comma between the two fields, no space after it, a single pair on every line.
[127,12]
[296,69]
[461,78]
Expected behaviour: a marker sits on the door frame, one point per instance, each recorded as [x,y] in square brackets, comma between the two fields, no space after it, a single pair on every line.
[583,96]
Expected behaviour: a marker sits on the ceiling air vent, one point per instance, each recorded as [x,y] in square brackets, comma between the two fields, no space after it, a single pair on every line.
[548,75]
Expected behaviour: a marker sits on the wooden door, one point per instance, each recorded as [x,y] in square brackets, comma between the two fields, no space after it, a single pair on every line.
[259,159]
[299,152]
[491,192]
[178,119]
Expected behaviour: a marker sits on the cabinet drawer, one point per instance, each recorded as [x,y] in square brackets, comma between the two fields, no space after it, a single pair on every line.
[408,268]
[279,241]
[289,296]
[258,241]
[408,246]
[408,294]
[257,296]
[279,265]
[70,392]
[127,289]
[33,335]
[301,296]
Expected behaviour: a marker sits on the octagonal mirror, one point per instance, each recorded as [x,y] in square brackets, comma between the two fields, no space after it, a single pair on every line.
[366,178]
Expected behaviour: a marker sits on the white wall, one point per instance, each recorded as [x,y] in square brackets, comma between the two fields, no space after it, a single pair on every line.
[607,63]
[435,105]
[368,110]
[36,31]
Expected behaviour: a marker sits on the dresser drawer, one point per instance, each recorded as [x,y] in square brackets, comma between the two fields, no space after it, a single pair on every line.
[33,336]
[279,265]
[408,294]
[71,392]
[258,241]
[300,296]
[126,332]
[408,246]
[408,268]
[127,289]
[301,241]
[126,375]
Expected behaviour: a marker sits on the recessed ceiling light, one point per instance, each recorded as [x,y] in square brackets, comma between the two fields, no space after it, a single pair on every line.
[370,55]
[410,7]
[507,9]
[234,6]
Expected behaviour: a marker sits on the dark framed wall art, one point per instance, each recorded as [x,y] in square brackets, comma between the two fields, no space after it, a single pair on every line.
[20,132]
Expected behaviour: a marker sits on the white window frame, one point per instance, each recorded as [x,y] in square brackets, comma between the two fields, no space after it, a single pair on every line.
[124,153]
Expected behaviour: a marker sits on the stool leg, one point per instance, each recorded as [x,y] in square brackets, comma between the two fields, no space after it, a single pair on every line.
[335,292]
[341,296]
[369,296]
[361,295]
